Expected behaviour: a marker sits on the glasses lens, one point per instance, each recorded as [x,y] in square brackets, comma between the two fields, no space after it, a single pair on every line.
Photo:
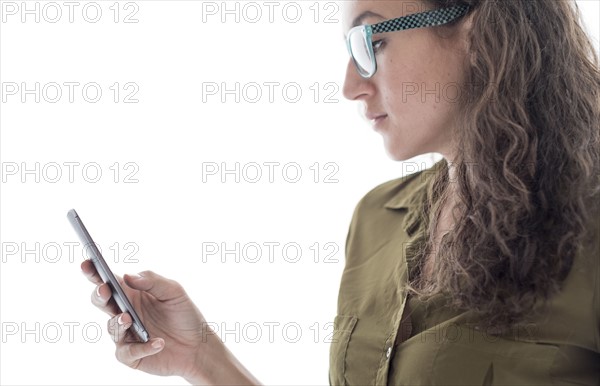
[360,51]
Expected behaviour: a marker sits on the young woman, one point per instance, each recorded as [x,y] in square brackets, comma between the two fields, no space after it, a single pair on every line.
[483,270]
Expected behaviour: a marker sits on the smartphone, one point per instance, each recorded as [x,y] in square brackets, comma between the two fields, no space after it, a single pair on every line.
[107,276]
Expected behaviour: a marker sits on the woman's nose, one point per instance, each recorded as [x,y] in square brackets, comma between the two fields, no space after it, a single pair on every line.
[355,86]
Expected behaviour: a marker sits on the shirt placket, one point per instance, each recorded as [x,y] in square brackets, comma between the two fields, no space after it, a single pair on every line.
[413,227]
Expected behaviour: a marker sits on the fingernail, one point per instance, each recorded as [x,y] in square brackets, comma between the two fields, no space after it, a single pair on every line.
[98,291]
[157,343]
[135,276]
[120,319]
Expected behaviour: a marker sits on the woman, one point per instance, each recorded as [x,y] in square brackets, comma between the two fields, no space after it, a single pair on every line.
[484,269]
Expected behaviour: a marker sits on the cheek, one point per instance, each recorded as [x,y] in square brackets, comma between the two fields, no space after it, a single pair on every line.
[405,82]
[420,90]
[419,84]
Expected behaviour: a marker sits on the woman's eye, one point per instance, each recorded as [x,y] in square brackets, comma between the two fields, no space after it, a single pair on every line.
[378,45]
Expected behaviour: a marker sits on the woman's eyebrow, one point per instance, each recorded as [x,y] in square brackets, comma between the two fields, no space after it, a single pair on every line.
[359,19]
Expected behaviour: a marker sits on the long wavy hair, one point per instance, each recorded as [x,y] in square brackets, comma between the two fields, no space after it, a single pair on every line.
[528,170]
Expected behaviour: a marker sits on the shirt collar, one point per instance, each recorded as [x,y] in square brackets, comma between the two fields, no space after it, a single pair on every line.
[406,200]
[422,180]
[414,199]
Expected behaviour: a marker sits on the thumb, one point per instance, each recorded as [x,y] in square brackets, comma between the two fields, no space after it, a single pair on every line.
[160,287]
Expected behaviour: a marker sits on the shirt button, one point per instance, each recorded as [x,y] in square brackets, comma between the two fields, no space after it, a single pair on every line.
[388,352]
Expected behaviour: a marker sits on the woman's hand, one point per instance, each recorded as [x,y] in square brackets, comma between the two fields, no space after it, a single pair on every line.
[181,341]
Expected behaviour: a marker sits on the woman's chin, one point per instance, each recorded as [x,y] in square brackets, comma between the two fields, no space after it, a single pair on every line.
[396,153]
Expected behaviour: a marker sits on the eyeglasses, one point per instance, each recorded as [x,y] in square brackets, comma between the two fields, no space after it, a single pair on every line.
[360,43]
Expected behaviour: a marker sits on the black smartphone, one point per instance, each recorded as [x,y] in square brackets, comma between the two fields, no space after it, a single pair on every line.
[107,276]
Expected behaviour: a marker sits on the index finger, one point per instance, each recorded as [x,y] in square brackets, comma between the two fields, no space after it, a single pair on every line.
[88,269]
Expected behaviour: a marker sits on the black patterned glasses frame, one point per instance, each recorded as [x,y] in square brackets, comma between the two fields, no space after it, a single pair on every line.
[359,40]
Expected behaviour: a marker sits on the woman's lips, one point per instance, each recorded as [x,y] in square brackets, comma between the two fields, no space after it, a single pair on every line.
[377,121]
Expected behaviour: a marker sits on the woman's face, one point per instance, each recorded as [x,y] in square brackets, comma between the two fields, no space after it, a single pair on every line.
[413,97]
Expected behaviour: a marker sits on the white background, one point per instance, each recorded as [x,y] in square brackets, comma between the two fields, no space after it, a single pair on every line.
[155,204]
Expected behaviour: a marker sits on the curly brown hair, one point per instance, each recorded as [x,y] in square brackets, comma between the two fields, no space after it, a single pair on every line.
[528,170]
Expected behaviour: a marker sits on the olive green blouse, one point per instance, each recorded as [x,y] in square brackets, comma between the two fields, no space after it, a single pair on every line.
[382,336]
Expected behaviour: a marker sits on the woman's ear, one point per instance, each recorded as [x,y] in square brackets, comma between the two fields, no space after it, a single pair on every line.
[464,33]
